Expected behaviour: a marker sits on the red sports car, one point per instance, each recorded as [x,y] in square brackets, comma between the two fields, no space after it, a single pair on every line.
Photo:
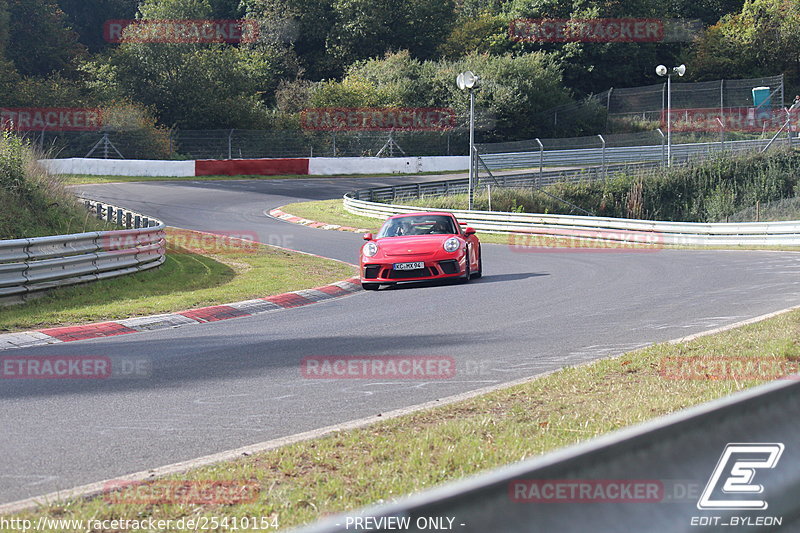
[420,247]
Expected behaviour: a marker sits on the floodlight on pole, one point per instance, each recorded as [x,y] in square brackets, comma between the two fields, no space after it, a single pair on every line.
[662,71]
[467,81]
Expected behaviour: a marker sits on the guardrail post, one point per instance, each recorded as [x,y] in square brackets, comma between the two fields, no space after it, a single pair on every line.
[99,210]
[110,214]
[541,162]
[128,217]
[419,190]
[145,222]
[605,176]
[137,222]
[120,214]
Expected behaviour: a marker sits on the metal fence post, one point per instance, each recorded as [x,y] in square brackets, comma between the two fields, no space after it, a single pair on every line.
[230,145]
[541,160]
[663,148]
[605,176]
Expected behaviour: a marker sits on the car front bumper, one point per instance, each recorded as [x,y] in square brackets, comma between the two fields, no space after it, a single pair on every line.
[383,272]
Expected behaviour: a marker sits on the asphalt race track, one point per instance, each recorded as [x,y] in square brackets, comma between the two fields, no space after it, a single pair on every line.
[223,385]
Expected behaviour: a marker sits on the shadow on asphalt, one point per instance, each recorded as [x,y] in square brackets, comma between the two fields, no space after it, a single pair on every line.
[485,279]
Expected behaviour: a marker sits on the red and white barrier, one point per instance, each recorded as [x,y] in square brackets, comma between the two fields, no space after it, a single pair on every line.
[316,166]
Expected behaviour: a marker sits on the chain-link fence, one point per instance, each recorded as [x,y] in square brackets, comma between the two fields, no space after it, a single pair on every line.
[645,106]
[249,144]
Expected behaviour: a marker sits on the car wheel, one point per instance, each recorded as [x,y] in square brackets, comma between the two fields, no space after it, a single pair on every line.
[466,277]
[370,286]
[479,273]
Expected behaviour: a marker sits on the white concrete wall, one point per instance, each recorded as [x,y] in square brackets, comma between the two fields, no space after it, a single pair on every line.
[326,166]
[318,166]
[119,167]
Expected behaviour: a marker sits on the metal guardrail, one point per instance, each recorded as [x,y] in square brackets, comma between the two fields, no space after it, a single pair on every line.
[603,155]
[525,228]
[676,455]
[375,203]
[31,265]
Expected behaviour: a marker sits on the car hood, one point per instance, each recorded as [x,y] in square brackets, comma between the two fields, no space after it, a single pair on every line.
[413,245]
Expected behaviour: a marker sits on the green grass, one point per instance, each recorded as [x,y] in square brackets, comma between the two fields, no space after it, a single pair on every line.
[304,481]
[32,202]
[332,212]
[204,274]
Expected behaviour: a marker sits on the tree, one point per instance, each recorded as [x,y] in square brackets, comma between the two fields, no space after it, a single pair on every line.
[762,40]
[512,88]
[40,41]
[591,67]
[300,26]
[88,17]
[483,33]
[370,28]
[191,84]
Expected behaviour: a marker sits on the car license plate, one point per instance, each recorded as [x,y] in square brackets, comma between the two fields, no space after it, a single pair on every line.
[409,266]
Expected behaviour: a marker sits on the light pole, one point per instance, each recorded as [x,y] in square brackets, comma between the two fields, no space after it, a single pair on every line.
[466,81]
[661,70]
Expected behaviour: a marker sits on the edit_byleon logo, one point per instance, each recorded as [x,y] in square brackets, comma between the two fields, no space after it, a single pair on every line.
[734,474]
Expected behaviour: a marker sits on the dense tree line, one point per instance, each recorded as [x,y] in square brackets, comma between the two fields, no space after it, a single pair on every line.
[364,53]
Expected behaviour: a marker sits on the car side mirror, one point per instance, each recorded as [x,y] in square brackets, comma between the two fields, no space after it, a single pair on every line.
[469,231]
[368,236]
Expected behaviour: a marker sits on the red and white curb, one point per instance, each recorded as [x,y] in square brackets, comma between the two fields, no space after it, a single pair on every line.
[214,313]
[277,213]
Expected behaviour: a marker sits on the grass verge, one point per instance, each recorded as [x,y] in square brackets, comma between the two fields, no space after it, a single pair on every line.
[331,212]
[200,272]
[34,203]
[347,470]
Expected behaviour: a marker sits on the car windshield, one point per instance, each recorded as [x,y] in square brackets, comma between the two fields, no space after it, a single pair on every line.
[418,225]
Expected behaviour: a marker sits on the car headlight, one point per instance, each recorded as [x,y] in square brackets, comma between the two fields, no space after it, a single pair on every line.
[451,245]
[370,249]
